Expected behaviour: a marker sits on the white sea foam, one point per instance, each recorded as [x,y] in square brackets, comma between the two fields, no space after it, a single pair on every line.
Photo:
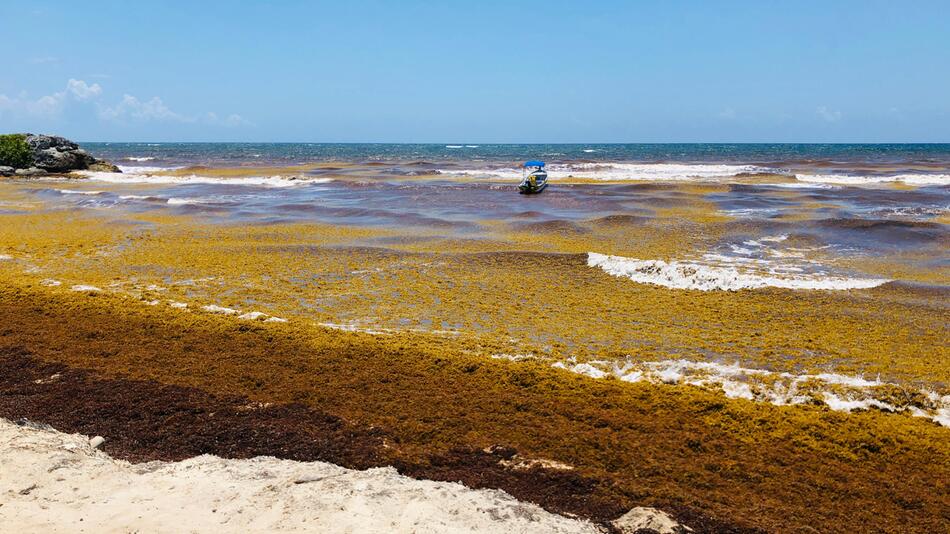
[751,213]
[583,369]
[214,308]
[356,328]
[82,287]
[844,179]
[912,212]
[691,275]
[839,392]
[840,404]
[140,158]
[626,171]
[144,169]
[800,185]
[146,178]
[453,146]
[75,192]
[188,201]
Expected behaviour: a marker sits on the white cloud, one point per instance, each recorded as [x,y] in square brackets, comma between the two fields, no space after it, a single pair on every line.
[129,108]
[82,91]
[51,105]
[828,115]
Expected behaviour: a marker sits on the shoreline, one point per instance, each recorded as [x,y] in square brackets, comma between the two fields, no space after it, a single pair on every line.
[66,485]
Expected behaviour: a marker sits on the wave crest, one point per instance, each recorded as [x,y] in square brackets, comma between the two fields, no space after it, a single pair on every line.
[697,276]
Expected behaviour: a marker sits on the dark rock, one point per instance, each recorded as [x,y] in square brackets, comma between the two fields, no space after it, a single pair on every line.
[60,155]
[44,142]
[54,160]
[102,166]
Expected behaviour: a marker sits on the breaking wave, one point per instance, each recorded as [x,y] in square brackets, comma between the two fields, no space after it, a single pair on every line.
[268,181]
[627,171]
[75,192]
[144,169]
[188,201]
[844,179]
[702,277]
[676,172]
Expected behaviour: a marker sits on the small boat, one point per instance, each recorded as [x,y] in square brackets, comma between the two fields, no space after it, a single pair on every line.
[534,179]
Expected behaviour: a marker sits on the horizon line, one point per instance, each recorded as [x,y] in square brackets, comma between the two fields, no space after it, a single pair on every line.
[480,143]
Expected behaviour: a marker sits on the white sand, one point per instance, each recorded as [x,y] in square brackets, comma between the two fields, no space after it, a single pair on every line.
[55,482]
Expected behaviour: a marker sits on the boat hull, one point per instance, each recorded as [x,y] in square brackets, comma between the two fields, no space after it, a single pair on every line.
[528,189]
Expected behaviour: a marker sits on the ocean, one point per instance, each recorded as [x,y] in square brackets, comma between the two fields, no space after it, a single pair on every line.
[845,159]
[787,216]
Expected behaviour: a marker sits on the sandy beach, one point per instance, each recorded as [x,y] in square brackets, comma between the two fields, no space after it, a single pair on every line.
[68,486]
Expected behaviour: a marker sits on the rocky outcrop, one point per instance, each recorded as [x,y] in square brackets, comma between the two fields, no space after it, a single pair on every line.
[53,154]
[102,166]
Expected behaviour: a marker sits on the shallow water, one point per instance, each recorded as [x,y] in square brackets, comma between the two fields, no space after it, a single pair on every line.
[844,209]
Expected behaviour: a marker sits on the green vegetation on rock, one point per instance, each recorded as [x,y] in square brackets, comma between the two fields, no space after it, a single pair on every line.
[14,152]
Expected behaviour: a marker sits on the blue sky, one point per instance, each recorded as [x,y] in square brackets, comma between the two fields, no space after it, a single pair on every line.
[478,71]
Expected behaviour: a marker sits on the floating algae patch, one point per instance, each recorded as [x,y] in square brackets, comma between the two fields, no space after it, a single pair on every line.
[496,290]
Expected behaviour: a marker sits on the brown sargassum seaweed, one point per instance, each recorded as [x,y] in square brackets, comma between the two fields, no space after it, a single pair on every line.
[154,381]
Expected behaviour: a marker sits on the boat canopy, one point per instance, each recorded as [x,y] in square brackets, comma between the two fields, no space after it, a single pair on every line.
[534,163]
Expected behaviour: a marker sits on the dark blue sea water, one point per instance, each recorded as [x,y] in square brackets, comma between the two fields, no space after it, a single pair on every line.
[894,157]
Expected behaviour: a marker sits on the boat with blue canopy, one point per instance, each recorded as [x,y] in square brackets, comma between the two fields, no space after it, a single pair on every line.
[534,178]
